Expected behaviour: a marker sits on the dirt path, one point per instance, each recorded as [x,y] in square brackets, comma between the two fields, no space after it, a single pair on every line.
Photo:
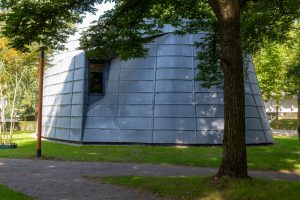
[46,179]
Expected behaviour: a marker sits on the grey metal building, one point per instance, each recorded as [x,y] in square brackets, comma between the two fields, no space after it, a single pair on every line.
[153,100]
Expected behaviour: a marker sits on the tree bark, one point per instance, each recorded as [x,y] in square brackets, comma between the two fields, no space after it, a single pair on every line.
[1,114]
[234,160]
[298,104]
[277,110]
[12,110]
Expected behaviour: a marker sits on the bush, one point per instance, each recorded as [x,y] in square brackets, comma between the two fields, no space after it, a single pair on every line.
[25,125]
[285,124]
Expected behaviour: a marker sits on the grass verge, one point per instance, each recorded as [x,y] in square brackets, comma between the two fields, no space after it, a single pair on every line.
[285,155]
[285,124]
[196,188]
[8,194]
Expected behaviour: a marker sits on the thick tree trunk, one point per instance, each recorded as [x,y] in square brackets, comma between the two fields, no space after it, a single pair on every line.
[234,160]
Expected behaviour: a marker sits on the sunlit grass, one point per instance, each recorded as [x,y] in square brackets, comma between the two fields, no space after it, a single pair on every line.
[196,188]
[283,156]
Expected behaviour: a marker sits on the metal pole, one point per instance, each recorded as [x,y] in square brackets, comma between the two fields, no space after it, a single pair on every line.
[40,106]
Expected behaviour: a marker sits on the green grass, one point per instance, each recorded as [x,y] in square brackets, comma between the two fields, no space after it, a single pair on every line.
[285,155]
[8,194]
[285,124]
[196,188]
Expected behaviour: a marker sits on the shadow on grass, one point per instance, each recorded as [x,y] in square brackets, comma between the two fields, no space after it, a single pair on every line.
[7,193]
[283,156]
[195,188]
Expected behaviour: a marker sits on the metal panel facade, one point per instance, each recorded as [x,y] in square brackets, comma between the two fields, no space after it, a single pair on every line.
[63,99]
[151,100]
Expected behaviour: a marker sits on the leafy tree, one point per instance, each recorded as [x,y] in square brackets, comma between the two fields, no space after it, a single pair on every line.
[272,72]
[293,64]
[233,25]
[45,22]
[278,68]
[19,74]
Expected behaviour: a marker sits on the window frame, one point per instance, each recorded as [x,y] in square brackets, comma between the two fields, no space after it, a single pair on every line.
[103,77]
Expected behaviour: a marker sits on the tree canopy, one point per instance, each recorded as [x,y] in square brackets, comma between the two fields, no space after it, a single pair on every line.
[293,63]
[19,73]
[118,31]
[124,29]
[278,67]
[46,22]
[271,69]
[232,27]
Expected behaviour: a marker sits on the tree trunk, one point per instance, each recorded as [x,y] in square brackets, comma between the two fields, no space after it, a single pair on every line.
[2,112]
[277,110]
[12,111]
[234,160]
[298,104]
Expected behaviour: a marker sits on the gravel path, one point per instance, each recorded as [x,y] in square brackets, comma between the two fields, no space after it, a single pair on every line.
[48,179]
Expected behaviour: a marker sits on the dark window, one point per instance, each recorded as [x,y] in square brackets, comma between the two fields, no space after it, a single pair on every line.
[96,74]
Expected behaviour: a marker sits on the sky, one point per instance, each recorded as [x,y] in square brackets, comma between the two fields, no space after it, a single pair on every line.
[90,17]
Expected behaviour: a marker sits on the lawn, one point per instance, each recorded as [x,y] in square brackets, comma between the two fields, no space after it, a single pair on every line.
[285,124]
[8,194]
[285,155]
[196,188]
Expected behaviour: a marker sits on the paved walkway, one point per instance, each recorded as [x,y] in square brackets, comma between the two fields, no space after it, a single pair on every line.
[47,179]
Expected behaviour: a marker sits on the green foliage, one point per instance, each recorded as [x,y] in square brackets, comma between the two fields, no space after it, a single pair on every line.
[19,72]
[130,24]
[46,22]
[26,126]
[261,22]
[23,126]
[123,30]
[209,61]
[110,39]
[266,21]
[278,66]
[285,124]
[7,193]
[293,62]
[284,155]
[271,71]
[195,188]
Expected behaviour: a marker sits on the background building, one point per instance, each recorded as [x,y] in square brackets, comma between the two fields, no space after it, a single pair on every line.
[288,108]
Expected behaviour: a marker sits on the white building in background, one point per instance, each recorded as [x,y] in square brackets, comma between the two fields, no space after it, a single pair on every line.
[288,108]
